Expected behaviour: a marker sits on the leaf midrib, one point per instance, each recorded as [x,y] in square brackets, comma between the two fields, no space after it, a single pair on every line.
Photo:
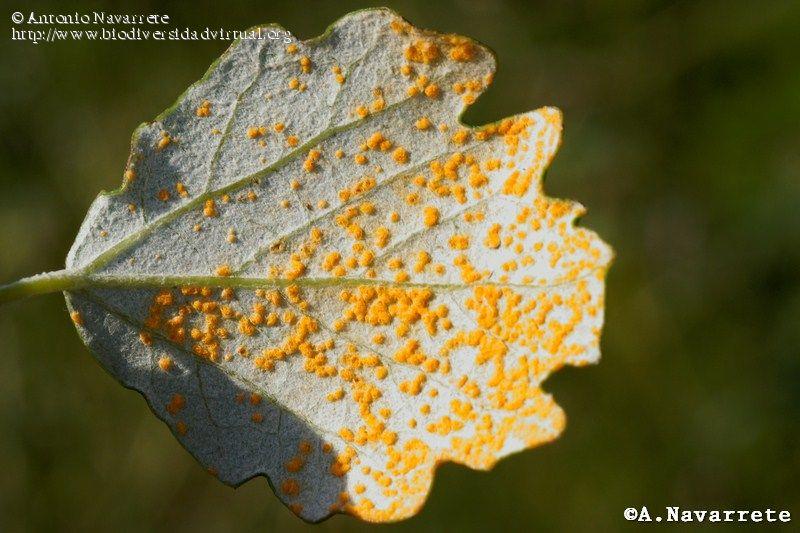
[134,281]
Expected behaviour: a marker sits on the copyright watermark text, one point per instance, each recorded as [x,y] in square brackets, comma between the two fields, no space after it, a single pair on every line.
[678,514]
[38,28]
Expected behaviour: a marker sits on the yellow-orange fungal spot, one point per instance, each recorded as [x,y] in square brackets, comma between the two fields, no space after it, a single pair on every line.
[493,236]
[331,260]
[204,109]
[278,127]
[412,198]
[163,141]
[294,83]
[291,48]
[246,327]
[311,159]
[295,464]
[463,51]
[423,123]
[355,230]
[337,73]
[129,175]
[145,338]
[360,159]
[165,363]
[176,403]
[459,242]
[367,208]
[377,104]
[400,27]
[180,427]
[374,141]
[422,51]
[400,155]
[432,90]
[461,136]
[223,270]
[422,260]
[395,263]
[295,269]
[77,318]
[163,195]
[366,258]
[292,141]
[430,216]
[382,236]
[210,209]
[254,132]
[257,418]
[336,395]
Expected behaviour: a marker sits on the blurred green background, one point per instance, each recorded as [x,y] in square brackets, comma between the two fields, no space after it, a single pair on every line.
[682,137]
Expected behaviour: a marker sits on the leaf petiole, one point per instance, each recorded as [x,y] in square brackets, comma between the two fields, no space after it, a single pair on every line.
[59,280]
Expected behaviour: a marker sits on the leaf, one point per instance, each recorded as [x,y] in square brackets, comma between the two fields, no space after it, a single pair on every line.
[315,273]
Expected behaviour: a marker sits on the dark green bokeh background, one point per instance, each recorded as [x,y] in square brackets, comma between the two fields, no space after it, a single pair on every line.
[682,136]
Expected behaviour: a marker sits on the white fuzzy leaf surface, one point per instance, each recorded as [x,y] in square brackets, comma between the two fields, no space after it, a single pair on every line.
[314,272]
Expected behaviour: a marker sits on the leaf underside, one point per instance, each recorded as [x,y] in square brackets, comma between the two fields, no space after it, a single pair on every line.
[331,281]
